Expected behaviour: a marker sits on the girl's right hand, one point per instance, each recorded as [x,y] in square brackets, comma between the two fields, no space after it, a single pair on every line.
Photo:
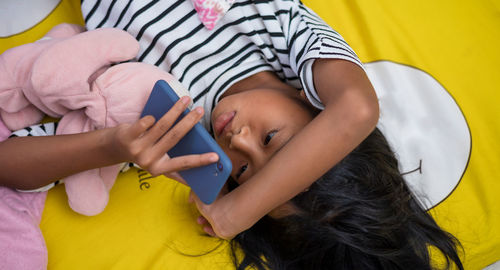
[146,143]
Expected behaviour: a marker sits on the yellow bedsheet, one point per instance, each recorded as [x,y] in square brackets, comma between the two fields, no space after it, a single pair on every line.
[149,224]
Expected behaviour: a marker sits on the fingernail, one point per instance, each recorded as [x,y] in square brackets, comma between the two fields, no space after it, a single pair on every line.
[199,110]
[185,100]
[213,158]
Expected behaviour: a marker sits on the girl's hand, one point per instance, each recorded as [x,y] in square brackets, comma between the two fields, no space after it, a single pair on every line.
[208,219]
[146,142]
[216,217]
[207,227]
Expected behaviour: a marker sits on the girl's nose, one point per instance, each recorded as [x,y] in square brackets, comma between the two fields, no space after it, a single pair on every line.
[242,140]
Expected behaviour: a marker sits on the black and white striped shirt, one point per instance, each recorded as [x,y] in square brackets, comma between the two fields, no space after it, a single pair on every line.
[283,36]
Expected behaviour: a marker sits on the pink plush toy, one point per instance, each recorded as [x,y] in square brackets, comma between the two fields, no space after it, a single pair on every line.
[69,75]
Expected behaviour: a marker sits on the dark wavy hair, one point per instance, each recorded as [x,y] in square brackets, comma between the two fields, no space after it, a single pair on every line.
[359,215]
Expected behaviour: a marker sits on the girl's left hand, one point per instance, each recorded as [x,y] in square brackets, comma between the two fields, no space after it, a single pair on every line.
[206,226]
[215,217]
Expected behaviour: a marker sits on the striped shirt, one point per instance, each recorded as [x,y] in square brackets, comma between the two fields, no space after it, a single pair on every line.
[283,36]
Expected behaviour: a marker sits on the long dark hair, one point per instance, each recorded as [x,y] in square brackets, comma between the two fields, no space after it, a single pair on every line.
[359,215]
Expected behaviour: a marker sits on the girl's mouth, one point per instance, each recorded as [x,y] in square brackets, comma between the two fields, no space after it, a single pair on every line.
[223,123]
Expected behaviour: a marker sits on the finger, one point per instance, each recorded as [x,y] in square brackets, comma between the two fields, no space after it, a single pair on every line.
[175,134]
[202,220]
[166,121]
[182,163]
[209,231]
[140,126]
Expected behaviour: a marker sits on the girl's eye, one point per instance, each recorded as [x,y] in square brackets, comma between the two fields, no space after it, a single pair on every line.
[241,171]
[269,137]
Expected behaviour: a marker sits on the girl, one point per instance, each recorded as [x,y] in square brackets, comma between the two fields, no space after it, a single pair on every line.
[276,145]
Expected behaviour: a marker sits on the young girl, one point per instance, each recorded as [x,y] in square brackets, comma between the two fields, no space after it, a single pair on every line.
[254,70]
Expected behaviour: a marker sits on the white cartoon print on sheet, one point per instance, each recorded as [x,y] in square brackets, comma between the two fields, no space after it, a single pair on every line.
[425,127]
[17,16]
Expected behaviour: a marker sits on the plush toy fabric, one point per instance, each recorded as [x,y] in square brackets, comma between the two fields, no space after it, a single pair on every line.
[69,74]
[22,245]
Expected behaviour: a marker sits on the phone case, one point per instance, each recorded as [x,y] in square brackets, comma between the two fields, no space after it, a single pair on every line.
[205,181]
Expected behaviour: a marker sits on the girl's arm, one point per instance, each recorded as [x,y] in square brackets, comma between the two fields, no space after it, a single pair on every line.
[32,162]
[350,114]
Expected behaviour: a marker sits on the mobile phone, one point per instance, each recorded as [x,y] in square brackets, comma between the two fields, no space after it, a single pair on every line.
[205,181]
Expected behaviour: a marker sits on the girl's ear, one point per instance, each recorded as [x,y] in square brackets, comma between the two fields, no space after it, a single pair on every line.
[67,66]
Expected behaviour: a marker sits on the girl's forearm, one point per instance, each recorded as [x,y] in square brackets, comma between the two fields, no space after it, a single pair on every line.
[32,162]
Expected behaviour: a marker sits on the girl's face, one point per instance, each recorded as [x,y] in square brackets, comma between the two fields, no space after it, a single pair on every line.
[251,126]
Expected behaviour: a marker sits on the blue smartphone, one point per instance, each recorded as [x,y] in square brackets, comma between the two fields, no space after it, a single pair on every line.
[205,181]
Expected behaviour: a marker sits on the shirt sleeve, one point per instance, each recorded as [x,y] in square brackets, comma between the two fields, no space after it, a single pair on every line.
[309,38]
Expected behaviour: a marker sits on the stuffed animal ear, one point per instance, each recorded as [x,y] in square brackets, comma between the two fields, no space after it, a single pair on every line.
[15,68]
[16,110]
[88,191]
[65,68]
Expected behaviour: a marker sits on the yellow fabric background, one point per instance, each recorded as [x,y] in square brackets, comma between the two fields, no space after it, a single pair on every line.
[455,41]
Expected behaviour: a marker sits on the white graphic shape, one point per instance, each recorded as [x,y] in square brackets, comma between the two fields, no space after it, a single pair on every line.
[17,16]
[424,126]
